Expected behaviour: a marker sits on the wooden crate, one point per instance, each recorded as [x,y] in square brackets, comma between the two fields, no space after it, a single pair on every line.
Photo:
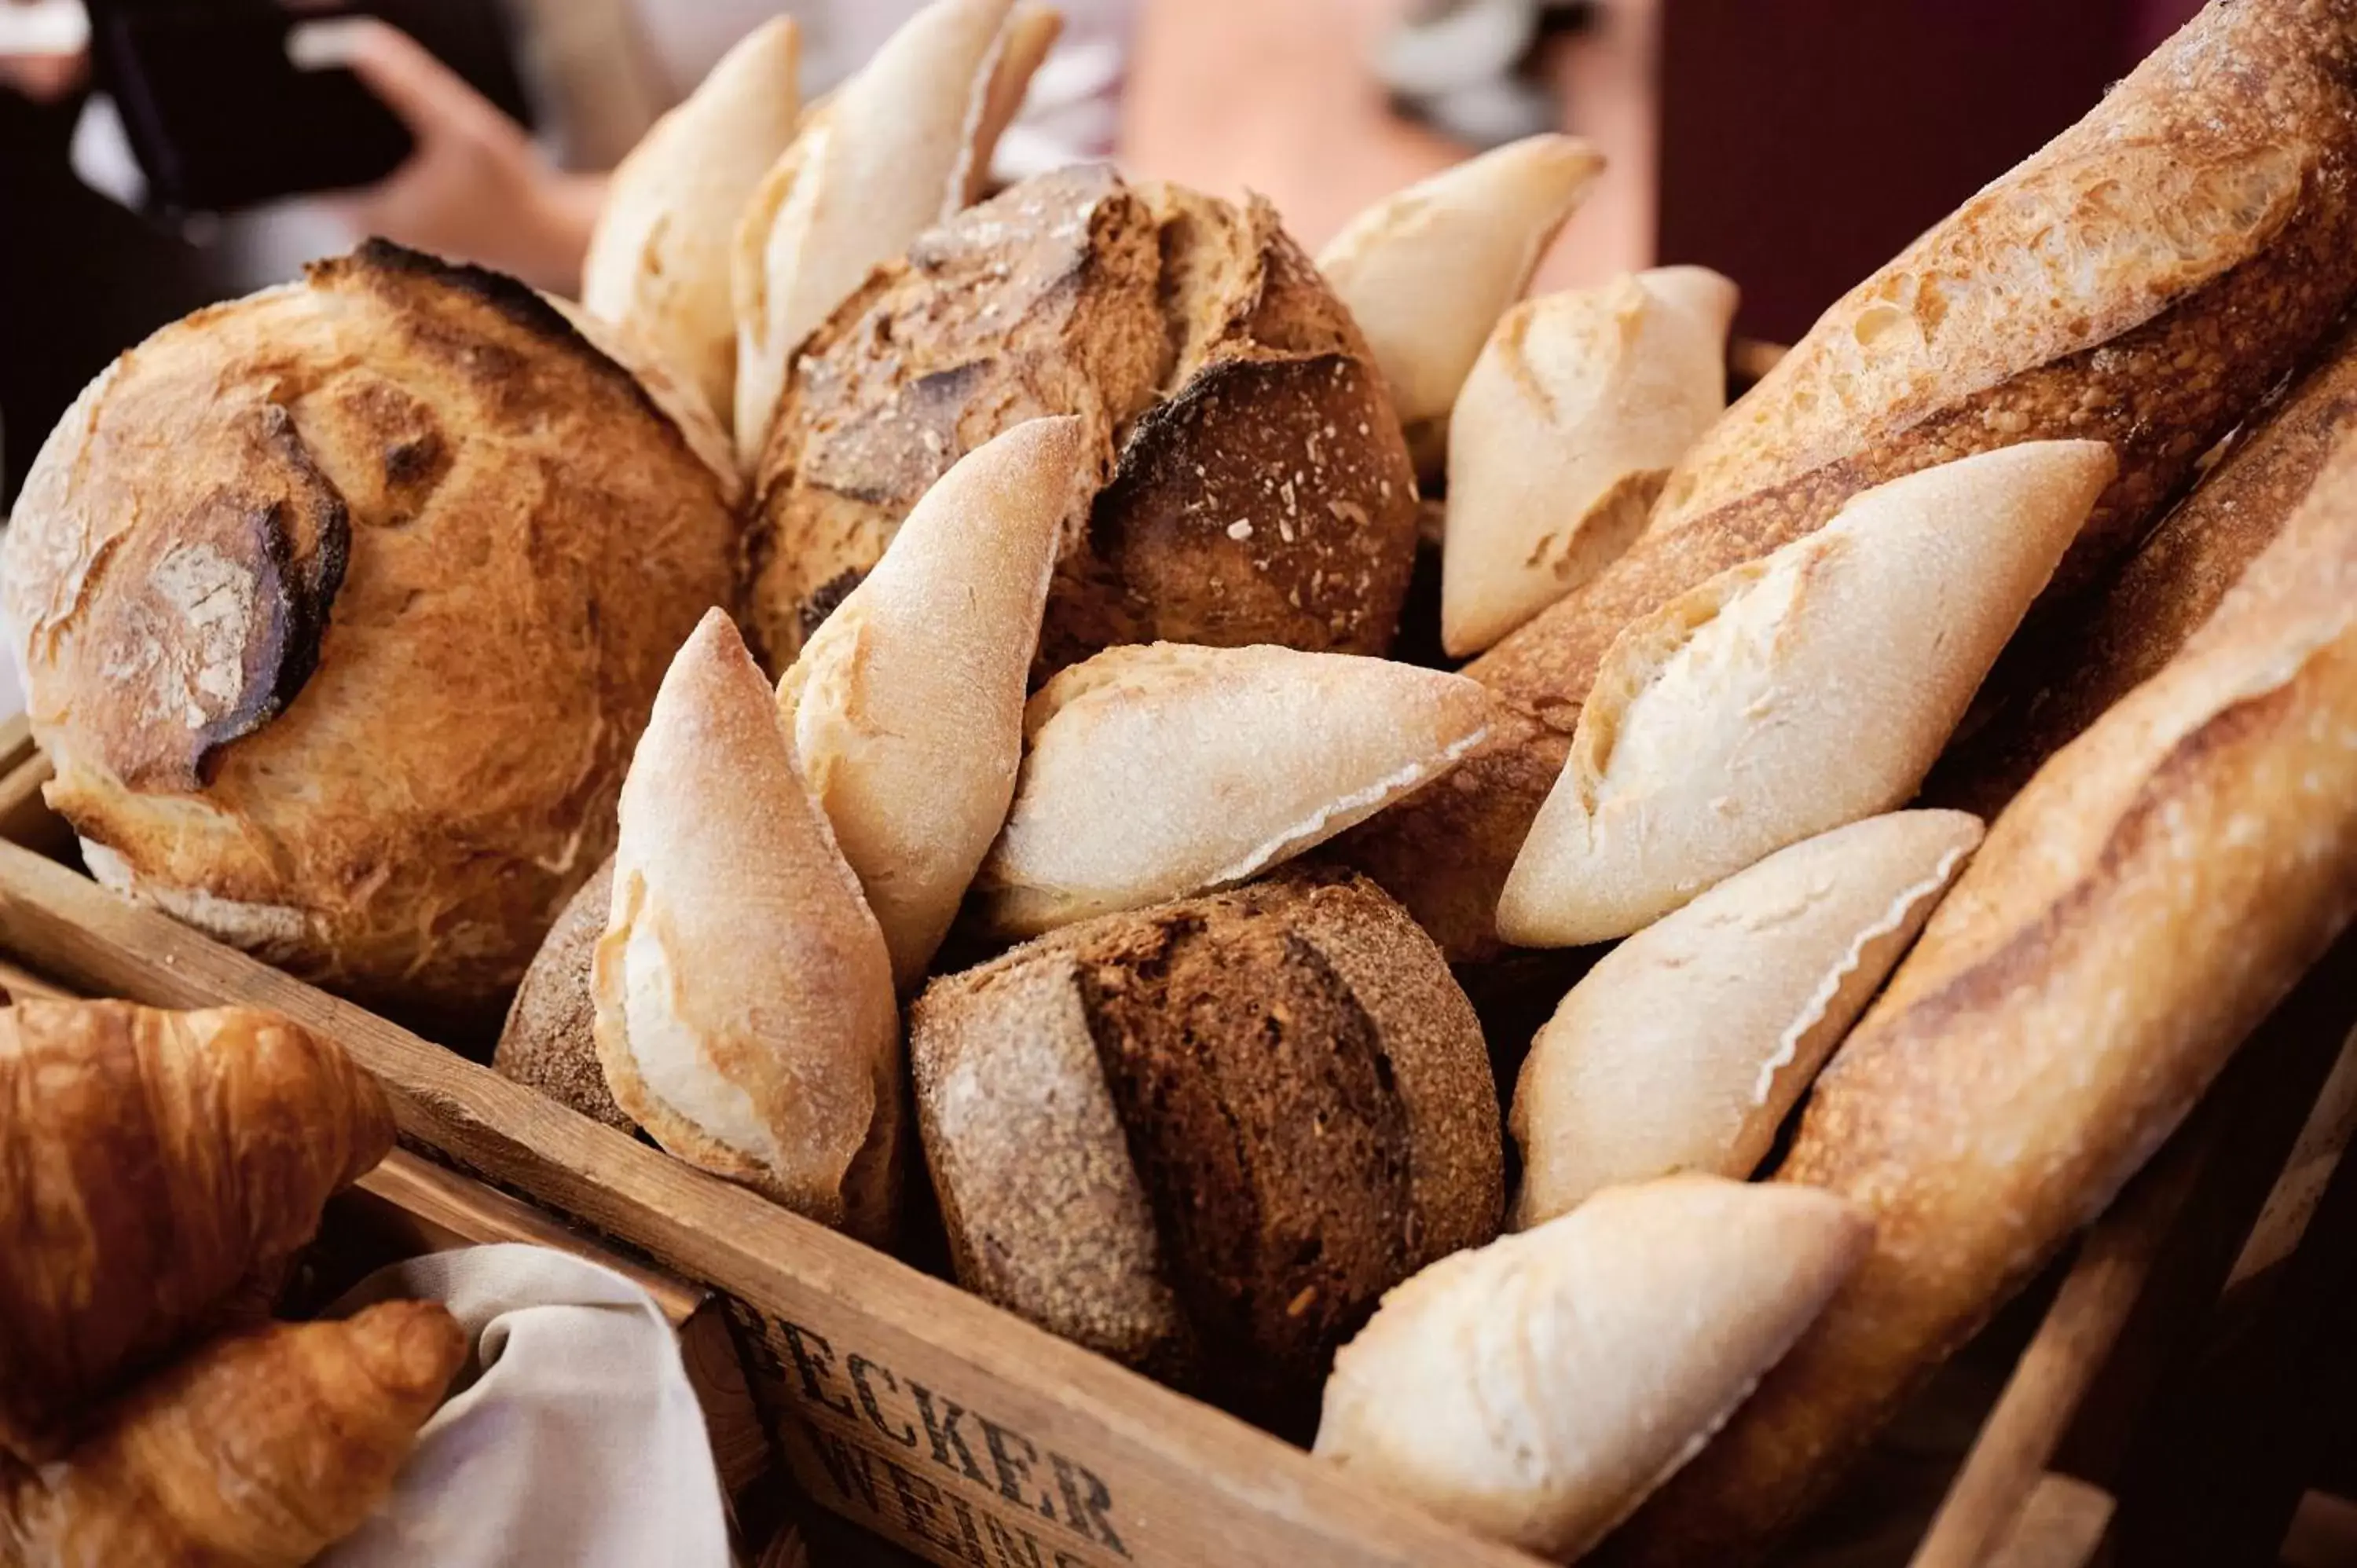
[976,1440]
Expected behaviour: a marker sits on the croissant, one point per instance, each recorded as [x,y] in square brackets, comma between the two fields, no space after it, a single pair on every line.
[150,1163]
[259,1451]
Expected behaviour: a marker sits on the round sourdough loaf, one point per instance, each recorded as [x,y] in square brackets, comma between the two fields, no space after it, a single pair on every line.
[340,608]
[1205,1138]
[1257,488]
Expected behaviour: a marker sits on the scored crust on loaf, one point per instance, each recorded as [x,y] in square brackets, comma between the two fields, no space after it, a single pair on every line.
[2247,83]
[1428,271]
[1685,1045]
[255,560]
[1795,693]
[1203,1138]
[1535,1390]
[1567,427]
[1156,771]
[1256,487]
[550,1041]
[2131,918]
[906,708]
[744,1015]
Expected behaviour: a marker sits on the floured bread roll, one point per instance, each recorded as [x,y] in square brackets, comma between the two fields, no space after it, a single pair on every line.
[1566,429]
[887,154]
[1428,271]
[659,257]
[1794,693]
[1159,770]
[1684,1048]
[1536,1390]
[906,708]
[745,1012]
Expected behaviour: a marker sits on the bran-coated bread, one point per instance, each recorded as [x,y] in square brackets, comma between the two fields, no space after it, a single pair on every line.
[550,1041]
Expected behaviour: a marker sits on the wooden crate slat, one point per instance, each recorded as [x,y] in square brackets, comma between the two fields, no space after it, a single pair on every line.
[989,1422]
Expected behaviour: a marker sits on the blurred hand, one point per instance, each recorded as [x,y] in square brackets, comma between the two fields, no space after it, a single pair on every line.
[476,189]
[43,75]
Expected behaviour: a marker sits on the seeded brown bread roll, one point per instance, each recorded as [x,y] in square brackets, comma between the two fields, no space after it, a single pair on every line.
[550,1042]
[342,606]
[1204,1138]
[1259,489]
[2049,689]
[2159,885]
[2143,279]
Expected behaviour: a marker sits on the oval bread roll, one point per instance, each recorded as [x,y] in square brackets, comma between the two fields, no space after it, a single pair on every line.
[1536,1390]
[887,156]
[1565,432]
[1428,271]
[907,707]
[1160,770]
[658,256]
[1793,695]
[745,1011]
[1684,1048]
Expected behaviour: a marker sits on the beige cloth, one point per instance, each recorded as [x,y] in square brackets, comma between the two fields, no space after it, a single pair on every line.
[572,1438]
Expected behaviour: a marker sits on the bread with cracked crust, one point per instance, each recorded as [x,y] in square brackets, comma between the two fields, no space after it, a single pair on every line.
[2143,280]
[340,607]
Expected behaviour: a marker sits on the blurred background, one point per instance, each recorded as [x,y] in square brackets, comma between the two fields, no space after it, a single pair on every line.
[1793,146]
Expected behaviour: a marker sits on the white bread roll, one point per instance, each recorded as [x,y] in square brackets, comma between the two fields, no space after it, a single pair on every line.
[1163,769]
[1428,271]
[1794,693]
[745,1011]
[889,154]
[1535,1390]
[659,257]
[1564,435]
[907,706]
[1686,1047]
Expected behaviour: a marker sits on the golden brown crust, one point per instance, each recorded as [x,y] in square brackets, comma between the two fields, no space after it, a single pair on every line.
[2130,919]
[342,606]
[550,1042]
[2143,280]
[150,1163]
[1260,490]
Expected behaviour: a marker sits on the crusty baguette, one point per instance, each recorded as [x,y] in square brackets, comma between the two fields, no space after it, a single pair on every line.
[907,707]
[1790,695]
[1031,32]
[1427,270]
[1536,1390]
[1684,1048]
[2049,689]
[887,156]
[1203,1138]
[2145,280]
[744,995]
[658,256]
[1565,432]
[1159,770]
[2161,882]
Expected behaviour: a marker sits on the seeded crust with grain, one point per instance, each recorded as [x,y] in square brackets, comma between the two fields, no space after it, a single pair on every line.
[342,606]
[550,1042]
[1204,1138]
[2130,919]
[2143,280]
[1256,487]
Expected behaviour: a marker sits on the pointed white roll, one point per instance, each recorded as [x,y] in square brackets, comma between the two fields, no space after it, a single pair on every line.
[1576,410]
[1429,269]
[659,257]
[906,705]
[1536,1390]
[888,155]
[1156,771]
[1793,693]
[744,997]
[1686,1047]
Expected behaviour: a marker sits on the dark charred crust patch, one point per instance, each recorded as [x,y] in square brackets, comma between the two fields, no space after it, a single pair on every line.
[827,599]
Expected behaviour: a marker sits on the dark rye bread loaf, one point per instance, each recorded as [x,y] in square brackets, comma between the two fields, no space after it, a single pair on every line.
[1257,485]
[2143,279]
[2050,688]
[550,1042]
[1205,1138]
